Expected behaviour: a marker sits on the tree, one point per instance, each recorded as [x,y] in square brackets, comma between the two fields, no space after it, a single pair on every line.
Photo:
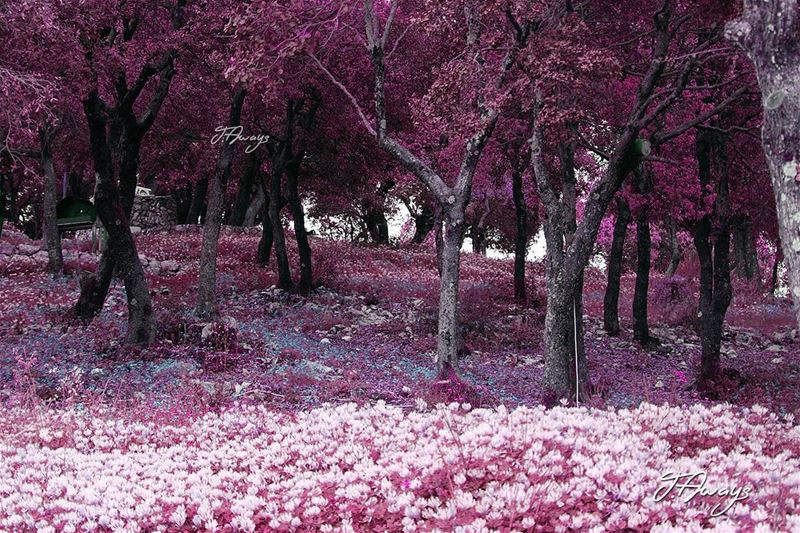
[482,78]
[767,31]
[206,288]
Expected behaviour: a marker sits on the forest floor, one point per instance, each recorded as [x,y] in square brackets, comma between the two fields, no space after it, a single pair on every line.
[367,333]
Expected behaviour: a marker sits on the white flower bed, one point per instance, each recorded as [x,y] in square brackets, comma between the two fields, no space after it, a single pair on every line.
[382,469]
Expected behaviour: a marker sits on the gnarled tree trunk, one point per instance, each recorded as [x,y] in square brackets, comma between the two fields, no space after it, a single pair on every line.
[121,250]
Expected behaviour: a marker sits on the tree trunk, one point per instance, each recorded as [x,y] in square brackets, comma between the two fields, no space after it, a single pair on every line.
[611,299]
[423,224]
[121,251]
[278,236]
[438,232]
[449,333]
[52,238]
[245,190]
[478,236]
[712,241]
[744,247]
[675,254]
[775,264]
[377,226]
[265,243]
[197,207]
[298,217]
[257,205]
[521,238]
[564,351]
[767,31]
[183,201]
[641,330]
[206,288]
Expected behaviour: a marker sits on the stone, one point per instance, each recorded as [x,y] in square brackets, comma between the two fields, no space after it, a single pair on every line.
[27,249]
[170,266]
[659,384]
[41,255]
[205,333]
[325,341]
[153,212]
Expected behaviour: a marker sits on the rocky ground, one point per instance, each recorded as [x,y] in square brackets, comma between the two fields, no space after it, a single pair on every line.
[366,333]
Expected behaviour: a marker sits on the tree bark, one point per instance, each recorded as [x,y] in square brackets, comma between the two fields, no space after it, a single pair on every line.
[377,226]
[521,238]
[121,250]
[423,224]
[775,264]
[611,298]
[438,236]
[449,332]
[256,207]
[301,235]
[197,207]
[712,242]
[641,329]
[206,288]
[767,31]
[675,254]
[114,193]
[744,247]
[265,243]
[278,236]
[183,200]
[245,191]
[52,238]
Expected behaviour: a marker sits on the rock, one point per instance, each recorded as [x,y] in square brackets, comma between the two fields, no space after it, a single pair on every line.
[208,328]
[347,338]
[135,230]
[318,368]
[27,249]
[777,361]
[659,384]
[325,341]
[207,386]
[41,255]
[406,390]
[775,348]
[170,266]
